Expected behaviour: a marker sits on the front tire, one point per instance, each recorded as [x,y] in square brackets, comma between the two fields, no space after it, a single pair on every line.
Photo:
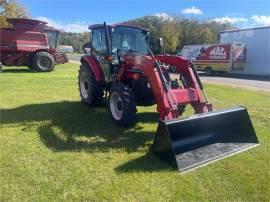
[122,105]
[91,91]
[43,62]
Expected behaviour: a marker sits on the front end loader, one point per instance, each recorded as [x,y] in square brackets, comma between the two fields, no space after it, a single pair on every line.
[120,64]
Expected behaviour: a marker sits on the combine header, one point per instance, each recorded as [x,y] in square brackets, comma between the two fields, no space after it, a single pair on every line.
[30,43]
[120,62]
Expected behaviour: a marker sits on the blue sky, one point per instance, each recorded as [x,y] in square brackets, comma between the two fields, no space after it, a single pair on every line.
[75,15]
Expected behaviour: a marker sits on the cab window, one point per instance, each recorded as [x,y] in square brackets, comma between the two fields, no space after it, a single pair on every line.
[52,38]
[99,41]
[126,38]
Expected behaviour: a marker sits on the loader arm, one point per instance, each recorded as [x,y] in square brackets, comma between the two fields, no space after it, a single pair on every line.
[168,99]
[186,69]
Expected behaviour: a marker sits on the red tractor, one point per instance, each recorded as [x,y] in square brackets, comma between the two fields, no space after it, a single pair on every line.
[30,43]
[121,64]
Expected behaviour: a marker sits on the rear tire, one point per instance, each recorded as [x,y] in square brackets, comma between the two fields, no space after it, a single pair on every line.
[122,105]
[42,62]
[91,91]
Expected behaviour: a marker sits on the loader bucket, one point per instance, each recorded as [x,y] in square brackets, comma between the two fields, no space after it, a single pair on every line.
[204,138]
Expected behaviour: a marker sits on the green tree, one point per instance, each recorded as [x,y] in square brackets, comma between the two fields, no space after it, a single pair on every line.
[205,35]
[76,40]
[170,37]
[11,9]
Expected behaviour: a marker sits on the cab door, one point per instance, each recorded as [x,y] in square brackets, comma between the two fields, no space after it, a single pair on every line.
[100,50]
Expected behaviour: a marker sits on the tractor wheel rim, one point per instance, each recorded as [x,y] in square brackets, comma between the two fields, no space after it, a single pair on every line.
[116,106]
[84,85]
[44,63]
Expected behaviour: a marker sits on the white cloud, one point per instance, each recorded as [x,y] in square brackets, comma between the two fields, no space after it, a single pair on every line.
[193,10]
[164,16]
[261,20]
[75,27]
[253,21]
[232,20]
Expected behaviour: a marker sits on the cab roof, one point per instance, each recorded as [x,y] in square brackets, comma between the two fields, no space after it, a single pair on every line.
[97,26]
[49,28]
[25,21]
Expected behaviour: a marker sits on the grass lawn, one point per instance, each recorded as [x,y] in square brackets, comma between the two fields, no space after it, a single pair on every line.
[53,148]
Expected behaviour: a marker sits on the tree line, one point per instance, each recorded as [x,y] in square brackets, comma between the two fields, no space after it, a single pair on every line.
[175,33]
[178,32]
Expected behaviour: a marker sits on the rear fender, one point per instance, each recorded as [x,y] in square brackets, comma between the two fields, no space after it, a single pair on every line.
[94,66]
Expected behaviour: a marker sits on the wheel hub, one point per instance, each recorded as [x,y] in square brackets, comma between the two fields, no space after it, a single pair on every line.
[45,63]
[116,106]
[84,85]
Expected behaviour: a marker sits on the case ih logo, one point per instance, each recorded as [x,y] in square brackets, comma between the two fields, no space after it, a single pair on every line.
[218,53]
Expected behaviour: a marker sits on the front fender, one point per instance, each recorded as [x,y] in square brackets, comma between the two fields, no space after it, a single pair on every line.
[94,66]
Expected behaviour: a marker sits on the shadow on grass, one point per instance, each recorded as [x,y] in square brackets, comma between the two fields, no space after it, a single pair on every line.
[146,163]
[20,70]
[72,126]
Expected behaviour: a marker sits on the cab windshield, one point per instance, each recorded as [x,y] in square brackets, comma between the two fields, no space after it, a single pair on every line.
[129,39]
[52,38]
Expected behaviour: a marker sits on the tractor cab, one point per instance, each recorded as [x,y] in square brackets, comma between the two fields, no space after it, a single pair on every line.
[110,41]
[53,37]
[53,40]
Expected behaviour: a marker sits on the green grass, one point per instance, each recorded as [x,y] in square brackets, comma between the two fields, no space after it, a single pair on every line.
[53,148]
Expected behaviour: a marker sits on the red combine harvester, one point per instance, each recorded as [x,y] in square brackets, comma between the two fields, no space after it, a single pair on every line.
[30,43]
[120,62]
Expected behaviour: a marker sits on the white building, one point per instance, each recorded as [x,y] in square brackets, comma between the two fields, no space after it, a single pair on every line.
[257,41]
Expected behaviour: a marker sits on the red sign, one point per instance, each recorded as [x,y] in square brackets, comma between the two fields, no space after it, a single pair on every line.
[215,52]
